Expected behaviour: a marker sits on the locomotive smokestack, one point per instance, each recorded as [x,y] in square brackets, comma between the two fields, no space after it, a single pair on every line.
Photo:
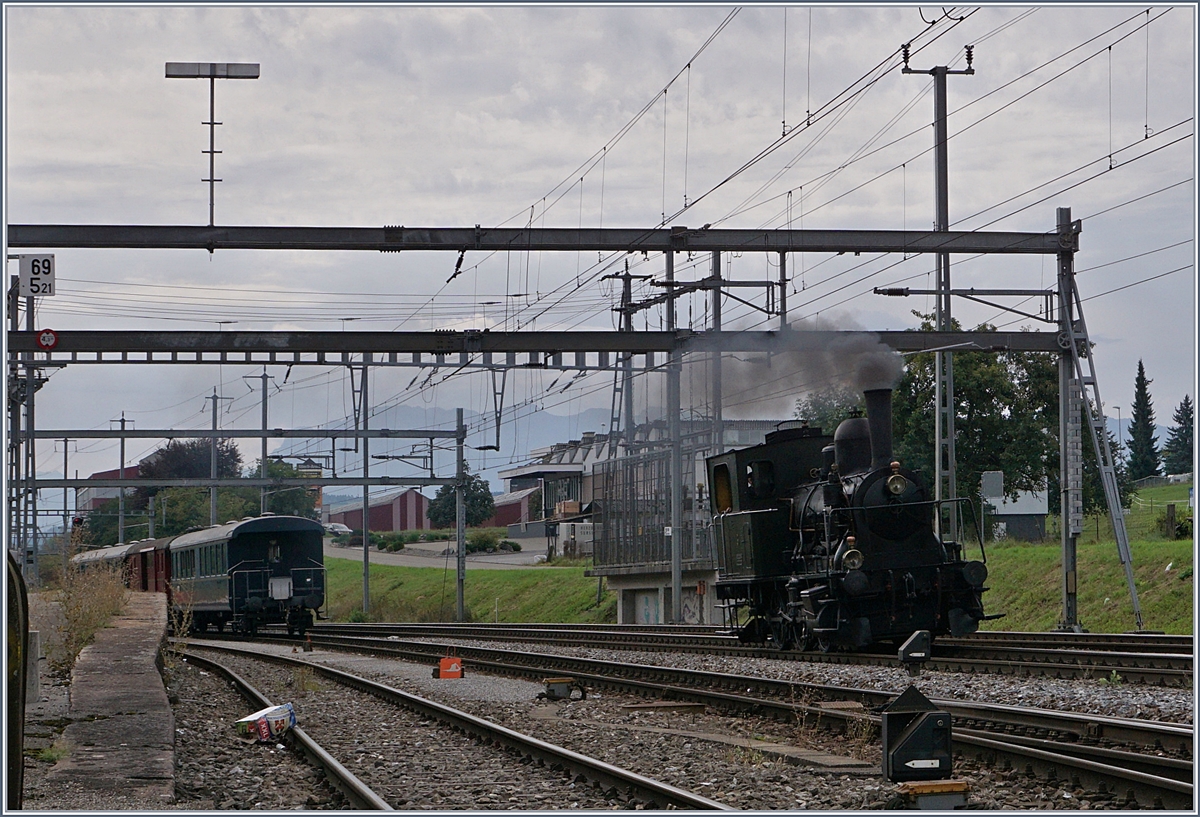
[879,418]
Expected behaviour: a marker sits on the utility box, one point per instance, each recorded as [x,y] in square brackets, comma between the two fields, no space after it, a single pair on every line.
[916,739]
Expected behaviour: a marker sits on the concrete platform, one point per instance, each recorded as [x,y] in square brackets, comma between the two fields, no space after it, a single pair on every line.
[122,730]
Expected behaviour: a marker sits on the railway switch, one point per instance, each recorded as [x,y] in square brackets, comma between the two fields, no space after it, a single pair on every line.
[916,739]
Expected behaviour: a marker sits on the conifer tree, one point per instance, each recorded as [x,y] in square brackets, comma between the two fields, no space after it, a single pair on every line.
[1143,445]
[1178,451]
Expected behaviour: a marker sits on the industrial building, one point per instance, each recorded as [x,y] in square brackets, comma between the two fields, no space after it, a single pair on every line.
[615,504]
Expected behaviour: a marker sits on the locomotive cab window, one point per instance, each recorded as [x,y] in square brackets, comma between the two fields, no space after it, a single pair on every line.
[722,489]
[273,551]
[760,479]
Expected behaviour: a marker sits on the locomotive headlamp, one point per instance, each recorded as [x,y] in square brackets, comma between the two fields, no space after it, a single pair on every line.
[852,560]
[896,484]
[975,573]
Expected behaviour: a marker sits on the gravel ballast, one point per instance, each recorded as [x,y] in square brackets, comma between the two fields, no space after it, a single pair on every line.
[724,758]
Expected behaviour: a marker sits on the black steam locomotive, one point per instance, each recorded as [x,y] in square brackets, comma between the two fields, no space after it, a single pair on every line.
[828,543]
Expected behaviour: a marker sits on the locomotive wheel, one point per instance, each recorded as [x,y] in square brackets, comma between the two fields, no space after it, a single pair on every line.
[783,634]
[824,643]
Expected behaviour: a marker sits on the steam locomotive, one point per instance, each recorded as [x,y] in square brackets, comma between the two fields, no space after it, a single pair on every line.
[262,570]
[828,543]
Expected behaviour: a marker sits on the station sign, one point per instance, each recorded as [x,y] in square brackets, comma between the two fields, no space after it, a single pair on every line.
[36,275]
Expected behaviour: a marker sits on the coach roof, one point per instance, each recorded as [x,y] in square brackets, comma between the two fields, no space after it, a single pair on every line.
[260,524]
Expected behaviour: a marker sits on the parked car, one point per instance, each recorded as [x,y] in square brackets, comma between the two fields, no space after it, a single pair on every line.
[336,529]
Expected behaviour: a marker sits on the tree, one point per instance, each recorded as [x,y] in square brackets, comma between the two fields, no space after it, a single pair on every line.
[284,501]
[1006,416]
[176,510]
[1178,451]
[192,459]
[477,500]
[825,409]
[1143,445]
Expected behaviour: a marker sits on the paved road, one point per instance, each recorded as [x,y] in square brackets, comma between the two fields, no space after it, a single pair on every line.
[430,555]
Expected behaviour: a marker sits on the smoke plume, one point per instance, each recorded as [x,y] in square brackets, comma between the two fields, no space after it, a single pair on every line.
[804,360]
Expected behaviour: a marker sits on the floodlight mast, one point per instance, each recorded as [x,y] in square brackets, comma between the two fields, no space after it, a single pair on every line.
[212,71]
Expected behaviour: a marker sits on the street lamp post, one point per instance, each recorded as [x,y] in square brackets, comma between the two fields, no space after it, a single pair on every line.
[1120,433]
[212,71]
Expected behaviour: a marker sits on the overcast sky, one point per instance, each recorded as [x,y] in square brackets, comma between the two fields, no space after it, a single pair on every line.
[556,116]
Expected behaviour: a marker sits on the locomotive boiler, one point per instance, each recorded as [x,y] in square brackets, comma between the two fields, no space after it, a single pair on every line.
[829,543]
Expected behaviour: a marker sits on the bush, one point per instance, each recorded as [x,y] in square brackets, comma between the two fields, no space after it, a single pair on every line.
[484,539]
[1183,525]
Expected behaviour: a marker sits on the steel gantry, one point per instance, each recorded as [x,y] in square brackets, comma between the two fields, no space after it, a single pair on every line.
[503,350]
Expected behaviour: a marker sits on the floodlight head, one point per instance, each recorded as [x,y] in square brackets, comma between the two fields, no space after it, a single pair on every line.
[212,70]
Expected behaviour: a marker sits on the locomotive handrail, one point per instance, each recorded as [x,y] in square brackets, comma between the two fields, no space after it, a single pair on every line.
[977,527]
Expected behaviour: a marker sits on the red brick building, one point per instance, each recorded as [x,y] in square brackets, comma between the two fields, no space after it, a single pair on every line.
[89,499]
[406,509]
[511,509]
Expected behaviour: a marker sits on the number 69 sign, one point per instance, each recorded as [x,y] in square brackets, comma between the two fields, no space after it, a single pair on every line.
[36,275]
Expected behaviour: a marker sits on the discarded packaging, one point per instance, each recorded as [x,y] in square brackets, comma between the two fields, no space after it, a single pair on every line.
[269,723]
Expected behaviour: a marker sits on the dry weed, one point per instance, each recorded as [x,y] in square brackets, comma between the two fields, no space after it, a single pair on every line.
[88,599]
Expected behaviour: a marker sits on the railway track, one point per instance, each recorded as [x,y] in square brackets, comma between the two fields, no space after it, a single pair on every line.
[611,782]
[357,792]
[1150,659]
[1147,761]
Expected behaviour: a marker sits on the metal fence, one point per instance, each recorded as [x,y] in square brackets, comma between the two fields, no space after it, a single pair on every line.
[633,499]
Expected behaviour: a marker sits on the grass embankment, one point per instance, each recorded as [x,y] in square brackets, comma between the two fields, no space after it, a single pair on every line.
[1026,579]
[538,594]
[1025,582]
